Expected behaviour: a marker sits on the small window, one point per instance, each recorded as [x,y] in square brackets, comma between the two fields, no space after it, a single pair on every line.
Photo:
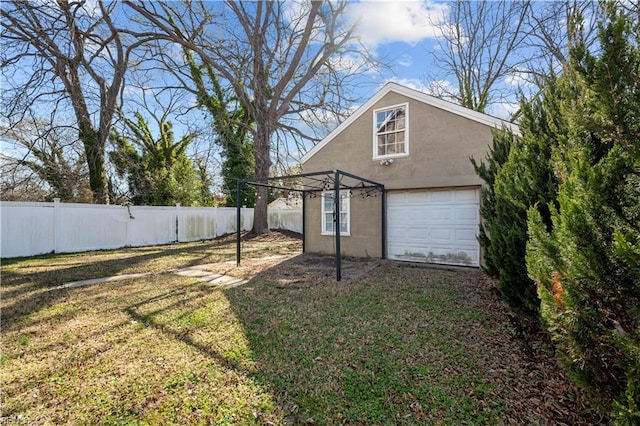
[328,219]
[391,137]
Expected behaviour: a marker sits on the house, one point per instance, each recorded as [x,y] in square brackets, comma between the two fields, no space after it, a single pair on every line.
[286,203]
[419,148]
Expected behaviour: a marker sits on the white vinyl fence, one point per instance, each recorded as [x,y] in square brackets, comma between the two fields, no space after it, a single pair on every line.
[30,228]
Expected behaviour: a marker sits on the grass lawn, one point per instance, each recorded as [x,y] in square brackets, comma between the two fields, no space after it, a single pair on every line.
[390,344]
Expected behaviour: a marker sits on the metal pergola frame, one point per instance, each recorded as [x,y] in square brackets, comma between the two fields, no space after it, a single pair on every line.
[318,182]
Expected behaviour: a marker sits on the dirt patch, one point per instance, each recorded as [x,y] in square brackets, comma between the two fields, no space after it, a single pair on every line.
[286,247]
[308,268]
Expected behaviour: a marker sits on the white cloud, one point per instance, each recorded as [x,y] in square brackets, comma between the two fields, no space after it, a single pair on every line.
[91,8]
[351,64]
[397,21]
[405,61]
[412,83]
[442,89]
[323,119]
[518,78]
[130,89]
[504,110]
[296,13]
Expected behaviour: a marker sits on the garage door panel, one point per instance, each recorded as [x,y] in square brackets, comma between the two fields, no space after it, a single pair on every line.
[466,195]
[439,234]
[437,213]
[407,253]
[434,226]
[412,234]
[451,256]
[440,197]
[467,213]
[467,235]
[416,235]
[415,214]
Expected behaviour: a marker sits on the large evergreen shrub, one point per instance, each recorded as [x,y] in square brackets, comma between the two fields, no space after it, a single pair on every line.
[518,175]
[587,266]
[487,170]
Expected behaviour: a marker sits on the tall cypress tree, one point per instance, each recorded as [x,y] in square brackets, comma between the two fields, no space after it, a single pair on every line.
[487,171]
[518,175]
[587,266]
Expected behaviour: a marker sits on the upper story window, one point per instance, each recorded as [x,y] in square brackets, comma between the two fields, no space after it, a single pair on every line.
[391,132]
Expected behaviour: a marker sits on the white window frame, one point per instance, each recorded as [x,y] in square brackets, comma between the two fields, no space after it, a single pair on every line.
[346,207]
[406,132]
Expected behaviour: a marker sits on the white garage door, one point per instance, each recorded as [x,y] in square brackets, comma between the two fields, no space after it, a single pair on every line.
[434,226]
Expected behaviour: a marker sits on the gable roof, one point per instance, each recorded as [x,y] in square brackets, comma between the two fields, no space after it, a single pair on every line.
[420,97]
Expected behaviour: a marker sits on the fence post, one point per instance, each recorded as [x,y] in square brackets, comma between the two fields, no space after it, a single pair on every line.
[127,234]
[215,221]
[178,217]
[56,225]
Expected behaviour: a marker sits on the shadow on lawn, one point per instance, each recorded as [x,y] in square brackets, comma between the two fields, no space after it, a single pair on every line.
[185,295]
[284,357]
[97,269]
[26,293]
[314,361]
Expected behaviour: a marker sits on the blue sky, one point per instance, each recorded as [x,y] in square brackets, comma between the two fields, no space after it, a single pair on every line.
[403,33]
[403,30]
[407,32]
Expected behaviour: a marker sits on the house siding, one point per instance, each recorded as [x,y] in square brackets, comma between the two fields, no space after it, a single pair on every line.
[365,239]
[440,146]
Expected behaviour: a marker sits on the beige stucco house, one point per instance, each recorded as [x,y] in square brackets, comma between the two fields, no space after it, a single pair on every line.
[418,147]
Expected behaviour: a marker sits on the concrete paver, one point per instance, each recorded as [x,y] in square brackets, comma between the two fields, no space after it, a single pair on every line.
[196,272]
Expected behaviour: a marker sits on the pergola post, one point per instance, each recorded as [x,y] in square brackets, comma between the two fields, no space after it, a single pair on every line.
[239,186]
[304,224]
[336,225]
[384,222]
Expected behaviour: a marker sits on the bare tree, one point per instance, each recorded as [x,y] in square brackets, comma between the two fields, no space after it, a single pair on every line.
[46,162]
[280,58]
[19,183]
[547,27]
[477,46]
[79,59]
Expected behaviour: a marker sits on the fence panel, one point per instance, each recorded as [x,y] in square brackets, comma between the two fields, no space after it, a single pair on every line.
[149,226]
[37,228]
[289,219]
[27,229]
[82,227]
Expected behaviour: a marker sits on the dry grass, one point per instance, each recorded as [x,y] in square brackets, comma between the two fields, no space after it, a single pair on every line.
[389,344]
[26,282]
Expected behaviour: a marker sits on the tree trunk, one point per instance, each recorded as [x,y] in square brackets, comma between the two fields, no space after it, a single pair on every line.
[94,150]
[263,164]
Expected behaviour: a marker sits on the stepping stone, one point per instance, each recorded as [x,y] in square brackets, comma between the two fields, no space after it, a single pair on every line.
[195,272]
[227,281]
[100,280]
